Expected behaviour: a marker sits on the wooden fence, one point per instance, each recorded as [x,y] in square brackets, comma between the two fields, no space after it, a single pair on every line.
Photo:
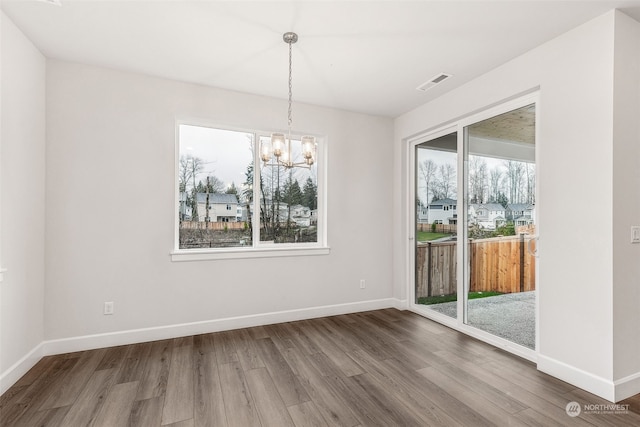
[439,228]
[501,264]
[201,225]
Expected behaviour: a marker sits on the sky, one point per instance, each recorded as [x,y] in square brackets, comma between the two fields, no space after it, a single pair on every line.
[227,153]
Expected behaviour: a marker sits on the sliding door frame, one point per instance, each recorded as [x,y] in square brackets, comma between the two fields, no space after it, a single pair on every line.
[462,273]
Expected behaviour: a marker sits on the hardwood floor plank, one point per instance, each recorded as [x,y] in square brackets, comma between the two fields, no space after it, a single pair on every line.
[183,342]
[491,410]
[332,408]
[370,410]
[147,412]
[209,403]
[346,365]
[533,418]
[634,403]
[34,373]
[238,403]
[224,347]
[47,418]
[67,391]
[116,409]
[283,377]
[135,359]
[247,350]
[472,383]
[299,336]
[258,332]
[113,357]
[185,423]
[29,400]
[156,370]
[404,391]
[441,398]
[179,398]
[85,408]
[271,409]
[203,343]
[306,415]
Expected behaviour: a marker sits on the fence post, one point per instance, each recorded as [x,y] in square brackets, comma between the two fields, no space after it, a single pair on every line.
[521,262]
[428,269]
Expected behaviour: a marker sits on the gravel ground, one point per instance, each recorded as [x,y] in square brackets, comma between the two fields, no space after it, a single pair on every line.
[510,316]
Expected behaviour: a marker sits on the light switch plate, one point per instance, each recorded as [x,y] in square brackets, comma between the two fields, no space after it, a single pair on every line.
[635,234]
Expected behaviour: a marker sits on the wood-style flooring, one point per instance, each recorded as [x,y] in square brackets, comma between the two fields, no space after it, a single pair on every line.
[377,368]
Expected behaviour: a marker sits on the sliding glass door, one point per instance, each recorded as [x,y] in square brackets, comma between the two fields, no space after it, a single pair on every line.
[500,183]
[436,210]
[474,205]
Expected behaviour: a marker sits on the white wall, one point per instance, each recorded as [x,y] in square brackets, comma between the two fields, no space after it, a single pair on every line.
[110,153]
[575,75]
[626,199]
[22,213]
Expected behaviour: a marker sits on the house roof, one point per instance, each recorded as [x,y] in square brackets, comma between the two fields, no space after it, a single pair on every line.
[519,206]
[443,202]
[217,198]
[493,206]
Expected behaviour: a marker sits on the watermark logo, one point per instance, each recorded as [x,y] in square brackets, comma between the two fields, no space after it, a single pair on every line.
[573,409]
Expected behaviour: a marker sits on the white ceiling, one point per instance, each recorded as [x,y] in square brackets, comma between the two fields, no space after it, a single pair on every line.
[360,56]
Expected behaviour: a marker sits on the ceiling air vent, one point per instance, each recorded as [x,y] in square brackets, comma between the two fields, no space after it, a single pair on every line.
[437,79]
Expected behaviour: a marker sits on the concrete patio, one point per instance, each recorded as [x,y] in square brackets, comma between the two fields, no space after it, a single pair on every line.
[510,316]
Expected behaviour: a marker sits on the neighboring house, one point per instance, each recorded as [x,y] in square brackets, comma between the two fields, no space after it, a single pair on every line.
[241,214]
[222,207]
[422,213]
[487,215]
[443,211]
[301,215]
[521,213]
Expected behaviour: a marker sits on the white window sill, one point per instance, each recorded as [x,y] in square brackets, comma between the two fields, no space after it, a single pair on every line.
[242,253]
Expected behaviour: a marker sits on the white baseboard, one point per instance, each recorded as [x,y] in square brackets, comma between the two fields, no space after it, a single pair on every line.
[400,304]
[21,367]
[582,379]
[627,386]
[89,342]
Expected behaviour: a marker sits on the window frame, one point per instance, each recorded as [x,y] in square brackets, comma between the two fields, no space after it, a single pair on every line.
[258,249]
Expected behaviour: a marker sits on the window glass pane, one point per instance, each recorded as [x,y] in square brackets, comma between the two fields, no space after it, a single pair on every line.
[215,180]
[288,200]
[436,224]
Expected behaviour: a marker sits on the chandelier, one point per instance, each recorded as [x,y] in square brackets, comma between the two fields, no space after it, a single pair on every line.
[276,151]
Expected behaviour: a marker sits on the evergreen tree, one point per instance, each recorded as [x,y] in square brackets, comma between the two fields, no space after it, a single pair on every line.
[310,194]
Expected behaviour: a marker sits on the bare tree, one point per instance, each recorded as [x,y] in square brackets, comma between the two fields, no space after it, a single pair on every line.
[495,179]
[477,179]
[446,182]
[428,169]
[530,176]
[190,168]
[514,180]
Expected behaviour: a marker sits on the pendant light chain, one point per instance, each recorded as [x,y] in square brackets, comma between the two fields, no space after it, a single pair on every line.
[278,147]
[290,89]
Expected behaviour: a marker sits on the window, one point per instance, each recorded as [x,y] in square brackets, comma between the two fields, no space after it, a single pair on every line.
[231,202]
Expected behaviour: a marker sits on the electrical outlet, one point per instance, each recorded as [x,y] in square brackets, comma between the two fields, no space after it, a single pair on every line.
[635,234]
[108,307]
[362,284]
